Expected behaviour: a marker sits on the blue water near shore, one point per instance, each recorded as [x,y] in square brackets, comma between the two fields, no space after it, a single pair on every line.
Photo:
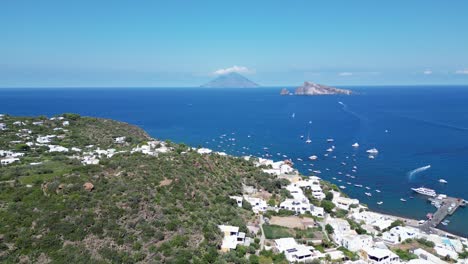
[425,126]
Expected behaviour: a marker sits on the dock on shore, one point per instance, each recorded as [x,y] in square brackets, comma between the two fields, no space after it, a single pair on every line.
[448,206]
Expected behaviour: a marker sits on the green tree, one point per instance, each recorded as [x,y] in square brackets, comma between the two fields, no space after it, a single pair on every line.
[329,229]
[327,206]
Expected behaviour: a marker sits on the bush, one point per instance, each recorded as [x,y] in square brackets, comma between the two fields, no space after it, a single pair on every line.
[329,229]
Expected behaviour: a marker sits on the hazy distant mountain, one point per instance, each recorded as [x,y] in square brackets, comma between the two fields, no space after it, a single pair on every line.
[310,88]
[231,80]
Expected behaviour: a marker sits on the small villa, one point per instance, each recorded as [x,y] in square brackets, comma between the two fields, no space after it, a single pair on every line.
[293,251]
[232,237]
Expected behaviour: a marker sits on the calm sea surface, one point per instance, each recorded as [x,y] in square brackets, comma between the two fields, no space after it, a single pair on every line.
[411,127]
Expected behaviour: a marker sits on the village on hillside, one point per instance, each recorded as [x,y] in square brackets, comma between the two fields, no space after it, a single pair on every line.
[312,221]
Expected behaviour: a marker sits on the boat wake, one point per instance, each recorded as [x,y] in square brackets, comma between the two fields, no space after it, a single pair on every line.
[412,173]
[346,109]
[361,133]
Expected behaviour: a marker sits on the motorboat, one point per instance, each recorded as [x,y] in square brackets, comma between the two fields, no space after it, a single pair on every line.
[403,200]
[342,187]
[355,145]
[442,181]
[330,140]
[372,151]
[379,203]
[313,157]
[368,194]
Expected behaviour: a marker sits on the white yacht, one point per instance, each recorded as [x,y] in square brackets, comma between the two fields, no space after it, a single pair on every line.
[371,157]
[403,200]
[313,157]
[379,203]
[342,187]
[330,140]
[329,150]
[425,191]
[355,145]
[372,151]
[308,141]
[377,191]
[368,194]
[442,181]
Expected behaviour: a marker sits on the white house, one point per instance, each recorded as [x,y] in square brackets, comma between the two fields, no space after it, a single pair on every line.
[258,204]
[343,202]
[90,160]
[373,219]
[278,168]
[38,123]
[232,237]
[296,192]
[380,255]
[356,242]
[9,160]
[18,123]
[204,151]
[3,126]
[66,123]
[294,252]
[119,140]
[54,148]
[45,139]
[309,182]
[317,211]
[399,234]
[238,199]
[317,192]
[297,206]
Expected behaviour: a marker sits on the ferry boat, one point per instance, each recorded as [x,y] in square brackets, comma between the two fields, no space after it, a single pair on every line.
[425,191]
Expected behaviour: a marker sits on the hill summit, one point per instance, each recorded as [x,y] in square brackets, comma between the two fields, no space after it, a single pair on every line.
[230,80]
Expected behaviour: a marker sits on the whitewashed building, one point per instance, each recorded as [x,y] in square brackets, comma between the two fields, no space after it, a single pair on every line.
[232,237]
[293,251]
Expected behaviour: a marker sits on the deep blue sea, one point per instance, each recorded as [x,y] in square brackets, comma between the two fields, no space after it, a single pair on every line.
[410,126]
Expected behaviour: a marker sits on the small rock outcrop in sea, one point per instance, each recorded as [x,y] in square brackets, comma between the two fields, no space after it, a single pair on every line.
[230,80]
[284,91]
[309,88]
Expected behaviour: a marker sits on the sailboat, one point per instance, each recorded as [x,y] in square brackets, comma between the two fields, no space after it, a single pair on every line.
[308,141]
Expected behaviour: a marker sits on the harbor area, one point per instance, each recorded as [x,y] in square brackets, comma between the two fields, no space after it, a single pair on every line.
[445,206]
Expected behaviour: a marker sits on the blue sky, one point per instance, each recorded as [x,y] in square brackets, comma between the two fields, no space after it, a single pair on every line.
[275,43]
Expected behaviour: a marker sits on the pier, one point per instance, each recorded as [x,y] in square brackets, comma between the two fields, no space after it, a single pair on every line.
[448,206]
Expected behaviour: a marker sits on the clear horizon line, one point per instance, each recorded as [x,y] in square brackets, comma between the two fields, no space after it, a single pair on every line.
[259,87]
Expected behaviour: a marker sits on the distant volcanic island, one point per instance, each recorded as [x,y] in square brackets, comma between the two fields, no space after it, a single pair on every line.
[310,88]
[230,80]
